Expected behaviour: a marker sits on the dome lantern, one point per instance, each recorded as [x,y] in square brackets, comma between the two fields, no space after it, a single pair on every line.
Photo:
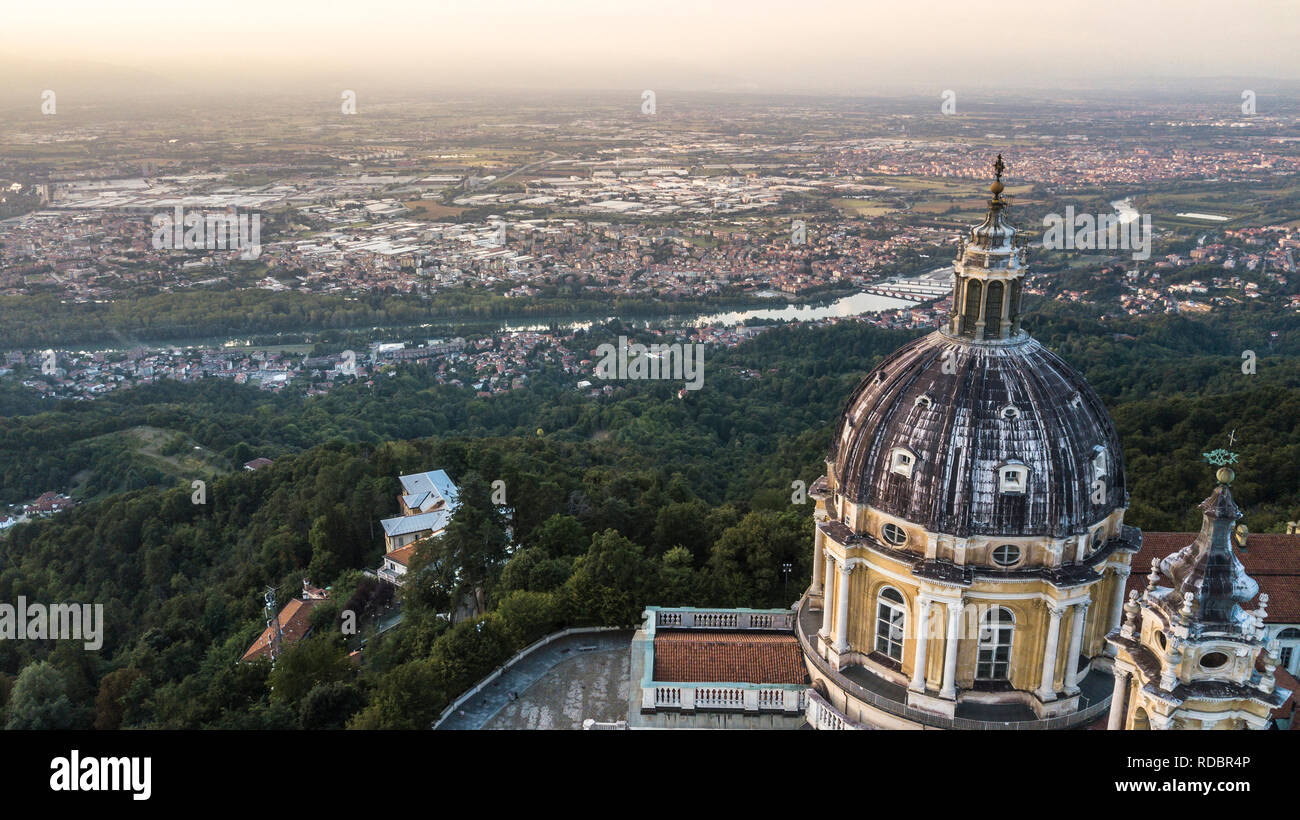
[987,274]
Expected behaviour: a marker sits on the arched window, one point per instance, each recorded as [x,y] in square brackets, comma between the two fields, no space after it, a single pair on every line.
[972,312]
[891,618]
[1290,638]
[1141,722]
[997,630]
[993,311]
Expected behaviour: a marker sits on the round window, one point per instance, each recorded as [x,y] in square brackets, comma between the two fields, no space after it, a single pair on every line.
[1162,640]
[1213,660]
[894,534]
[1006,555]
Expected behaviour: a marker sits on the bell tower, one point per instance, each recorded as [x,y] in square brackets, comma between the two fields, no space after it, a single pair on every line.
[1189,655]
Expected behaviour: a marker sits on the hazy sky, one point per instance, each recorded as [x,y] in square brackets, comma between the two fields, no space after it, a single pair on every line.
[851,46]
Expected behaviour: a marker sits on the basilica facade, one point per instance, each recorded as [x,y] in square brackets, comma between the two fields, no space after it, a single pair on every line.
[971,554]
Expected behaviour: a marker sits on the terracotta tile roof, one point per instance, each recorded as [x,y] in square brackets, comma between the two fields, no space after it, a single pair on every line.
[1290,708]
[1272,559]
[402,555]
[728,657]
[295,623]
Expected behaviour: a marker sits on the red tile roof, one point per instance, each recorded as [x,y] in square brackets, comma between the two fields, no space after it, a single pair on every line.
[728,657]
[1272,559]
[402,555]
[295,623]
[1290,708]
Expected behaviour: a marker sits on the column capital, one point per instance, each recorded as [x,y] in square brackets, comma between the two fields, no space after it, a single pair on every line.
[1122,570]
[844,567]
[1055,608]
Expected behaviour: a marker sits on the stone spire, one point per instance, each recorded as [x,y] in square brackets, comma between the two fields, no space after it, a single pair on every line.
[1208,569]
[1188,659]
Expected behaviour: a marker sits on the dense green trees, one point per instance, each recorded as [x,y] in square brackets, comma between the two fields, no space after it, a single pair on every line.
[629,500]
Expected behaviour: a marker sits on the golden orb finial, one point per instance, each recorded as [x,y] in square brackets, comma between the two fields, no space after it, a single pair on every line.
[1225,475]
[997,187]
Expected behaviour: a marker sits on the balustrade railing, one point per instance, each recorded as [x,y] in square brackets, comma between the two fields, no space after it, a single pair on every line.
[739,619]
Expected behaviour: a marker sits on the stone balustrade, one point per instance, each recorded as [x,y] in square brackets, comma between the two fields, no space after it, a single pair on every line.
[779,620]
[743,697]
[822,716]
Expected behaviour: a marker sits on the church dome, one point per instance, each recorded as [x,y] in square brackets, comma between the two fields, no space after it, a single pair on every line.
[977,429]
[971,438]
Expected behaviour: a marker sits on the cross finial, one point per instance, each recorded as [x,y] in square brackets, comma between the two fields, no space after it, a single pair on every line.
[998,167]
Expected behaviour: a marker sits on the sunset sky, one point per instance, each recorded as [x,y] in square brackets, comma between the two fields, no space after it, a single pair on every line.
[755,45]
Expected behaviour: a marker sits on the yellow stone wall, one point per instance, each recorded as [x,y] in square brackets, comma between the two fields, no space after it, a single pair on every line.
[1031,615]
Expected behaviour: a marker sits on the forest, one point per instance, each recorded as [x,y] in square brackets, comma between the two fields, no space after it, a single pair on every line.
[612,503]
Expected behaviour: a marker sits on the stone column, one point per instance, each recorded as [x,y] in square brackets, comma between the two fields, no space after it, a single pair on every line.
[819,550]
[825,631]
[1076,645]
[1004,329]
[842,609]
[984,303]
[922,643]
[1117,603]
[1046,689]
[949,689]
[1118,696]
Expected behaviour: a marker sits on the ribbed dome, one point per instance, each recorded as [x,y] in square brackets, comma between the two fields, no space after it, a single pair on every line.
[1004,404]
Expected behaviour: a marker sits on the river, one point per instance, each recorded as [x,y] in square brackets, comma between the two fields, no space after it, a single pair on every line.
[852,305]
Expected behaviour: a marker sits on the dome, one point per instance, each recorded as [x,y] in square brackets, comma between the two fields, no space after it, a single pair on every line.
[968,437]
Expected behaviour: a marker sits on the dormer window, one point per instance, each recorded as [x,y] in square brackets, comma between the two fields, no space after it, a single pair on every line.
[1013,479]
[901,461]
[1099,466]
[1010,412]
[922,402]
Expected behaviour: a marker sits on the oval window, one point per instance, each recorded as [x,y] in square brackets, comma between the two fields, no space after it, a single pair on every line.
[1162,640]
[1213,660]
[1006,555]
[894,534]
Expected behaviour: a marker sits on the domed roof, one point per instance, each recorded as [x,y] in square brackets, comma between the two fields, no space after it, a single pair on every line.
[979,438]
